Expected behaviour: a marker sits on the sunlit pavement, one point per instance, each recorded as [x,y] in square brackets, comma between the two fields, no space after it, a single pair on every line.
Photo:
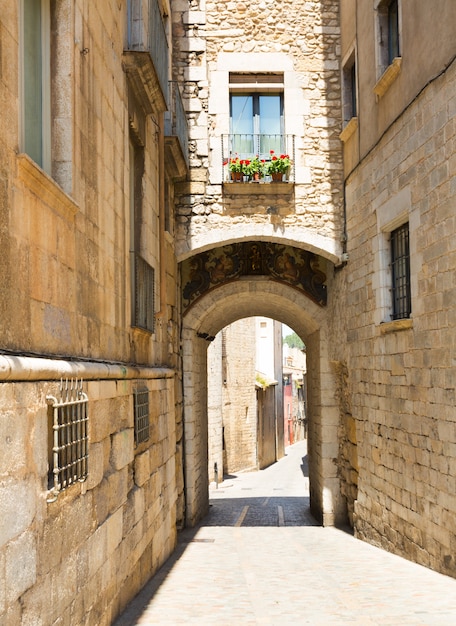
[260,558]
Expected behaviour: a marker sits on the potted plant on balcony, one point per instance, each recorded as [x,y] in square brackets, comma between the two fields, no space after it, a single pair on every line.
[256,168]
[237,168]
[278,166]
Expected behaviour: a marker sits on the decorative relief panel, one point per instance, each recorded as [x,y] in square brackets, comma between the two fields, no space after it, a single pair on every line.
[293,266]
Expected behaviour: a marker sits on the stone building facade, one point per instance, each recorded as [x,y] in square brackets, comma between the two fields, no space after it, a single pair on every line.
[233,436]
[397,376]
[89,309]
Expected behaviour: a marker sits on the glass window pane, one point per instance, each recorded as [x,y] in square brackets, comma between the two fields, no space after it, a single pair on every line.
[270,124]
[33,93]
[270,114]
[242,124]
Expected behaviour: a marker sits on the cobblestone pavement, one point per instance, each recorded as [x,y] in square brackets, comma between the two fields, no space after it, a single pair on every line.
[259,558]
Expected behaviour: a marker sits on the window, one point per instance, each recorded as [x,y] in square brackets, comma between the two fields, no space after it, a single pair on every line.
[350,101]
[141,413]
[144,278]
[142,274]
[349,96]
[68,437]
[387,33]
[36,91]
[400,272]
[256,115]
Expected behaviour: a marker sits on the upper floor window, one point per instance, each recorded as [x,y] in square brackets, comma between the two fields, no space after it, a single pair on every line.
[388,33]
[400,266]
[36,82]
[256,114]
[46,85]
[142,273]
[349,98]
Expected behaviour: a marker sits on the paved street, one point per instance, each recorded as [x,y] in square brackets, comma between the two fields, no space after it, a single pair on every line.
[259,558]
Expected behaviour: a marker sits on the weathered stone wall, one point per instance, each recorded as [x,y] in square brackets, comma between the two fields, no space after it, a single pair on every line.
[299,39]
[66,296]
[232,419]
[239,398]
[402,373]
[65,236]
[81,558]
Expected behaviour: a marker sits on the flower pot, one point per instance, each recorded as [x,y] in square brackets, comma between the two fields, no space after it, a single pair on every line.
[236,176]
[277,177]
[256,176]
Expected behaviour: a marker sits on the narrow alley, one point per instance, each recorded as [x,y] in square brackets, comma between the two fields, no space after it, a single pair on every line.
[259,558]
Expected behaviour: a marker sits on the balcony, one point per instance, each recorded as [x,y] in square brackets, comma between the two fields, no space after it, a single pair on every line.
[146,55]
[259,147]
[176,134]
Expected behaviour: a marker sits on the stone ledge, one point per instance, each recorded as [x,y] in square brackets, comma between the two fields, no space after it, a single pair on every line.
[395,325]
[252,188]
[388,77]
[45,187]
[349,129]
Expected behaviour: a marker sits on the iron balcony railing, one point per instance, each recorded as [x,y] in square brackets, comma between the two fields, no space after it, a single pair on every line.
[146,33]
[176,120]
[246,147]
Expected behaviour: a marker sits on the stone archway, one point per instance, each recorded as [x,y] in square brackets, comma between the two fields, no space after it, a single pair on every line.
[212,311]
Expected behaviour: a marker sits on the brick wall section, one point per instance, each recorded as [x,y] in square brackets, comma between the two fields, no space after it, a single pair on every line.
[402,381]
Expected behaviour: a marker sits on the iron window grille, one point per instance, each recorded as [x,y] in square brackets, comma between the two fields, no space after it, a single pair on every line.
[141,413]
[400,264]
[69,440]
[144,279]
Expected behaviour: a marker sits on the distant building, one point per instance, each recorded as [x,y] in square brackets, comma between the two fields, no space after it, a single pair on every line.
[245,397]
[294,394]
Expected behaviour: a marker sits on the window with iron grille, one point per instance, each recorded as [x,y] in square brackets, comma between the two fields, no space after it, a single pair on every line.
[400,265]
[141,412]
[144,276]
[68,440]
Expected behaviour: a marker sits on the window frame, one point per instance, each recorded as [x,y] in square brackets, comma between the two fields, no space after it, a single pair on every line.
[391,214]
[387,48]
[350,88]
[142,274]
[400,272]
[256,86]
[349,100]
[29,131]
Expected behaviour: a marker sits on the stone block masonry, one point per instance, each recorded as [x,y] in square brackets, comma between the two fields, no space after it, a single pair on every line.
[299,41]
[84,555]
[402,375]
